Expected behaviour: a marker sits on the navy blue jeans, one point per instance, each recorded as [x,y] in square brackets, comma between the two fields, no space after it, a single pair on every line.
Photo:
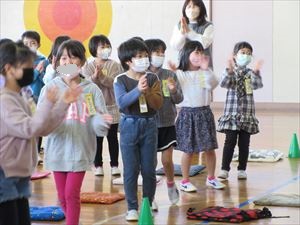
[138,142]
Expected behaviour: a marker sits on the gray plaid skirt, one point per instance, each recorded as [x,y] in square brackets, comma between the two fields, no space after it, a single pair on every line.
[196,130]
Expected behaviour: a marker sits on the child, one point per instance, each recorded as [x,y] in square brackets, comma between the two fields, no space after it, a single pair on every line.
[102,72]
[165,117]
[19,129]
[50,71]
[239,121]
[195,125]
[138,97]
[70,149]
[193,26]
[32,40]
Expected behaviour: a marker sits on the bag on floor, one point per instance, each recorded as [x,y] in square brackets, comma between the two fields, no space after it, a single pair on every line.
[231,215]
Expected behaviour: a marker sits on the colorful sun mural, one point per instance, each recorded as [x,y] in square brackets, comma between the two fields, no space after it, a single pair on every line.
[79,19]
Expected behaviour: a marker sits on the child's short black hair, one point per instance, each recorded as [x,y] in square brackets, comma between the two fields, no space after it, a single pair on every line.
[129,49]
[14,54]
[95,41]
[240,45]
[155,45]
[24,55]
[185,52]
[32,34]
[57,42]
[74,48]
[8,55]
[5,40]
[138,38]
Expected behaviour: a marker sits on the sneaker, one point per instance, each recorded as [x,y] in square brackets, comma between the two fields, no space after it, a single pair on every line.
[242,175]
[98,171]
[132,215]
[41,151]
[40,160]
[173,194]
[223,175]
[187,187]
[154,206]
[214,184]
[115,171]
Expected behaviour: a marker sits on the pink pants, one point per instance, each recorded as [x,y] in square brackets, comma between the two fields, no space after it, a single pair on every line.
[68,185]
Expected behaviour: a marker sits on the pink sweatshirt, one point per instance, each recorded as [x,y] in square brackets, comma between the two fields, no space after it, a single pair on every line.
[19,129]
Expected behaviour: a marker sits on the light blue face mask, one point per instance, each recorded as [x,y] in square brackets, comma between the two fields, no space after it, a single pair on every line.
[243,59]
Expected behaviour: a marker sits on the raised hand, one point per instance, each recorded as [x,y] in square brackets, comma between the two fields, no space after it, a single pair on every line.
[204,62]
[171,84]
[184,27]
[258,66]
[230,64]
[40,66]
[98,72]
[52,94]
[143,85]
[72,93]
[172,66]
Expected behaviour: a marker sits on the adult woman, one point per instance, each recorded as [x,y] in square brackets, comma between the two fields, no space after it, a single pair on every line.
[193,26]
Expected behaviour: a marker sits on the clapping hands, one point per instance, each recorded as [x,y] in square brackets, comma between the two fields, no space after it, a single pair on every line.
[230,64]
[171,84]
[69,96]
[258,66]
[184,29]
[41,66]
[97,73]
[143,84]
[72,93]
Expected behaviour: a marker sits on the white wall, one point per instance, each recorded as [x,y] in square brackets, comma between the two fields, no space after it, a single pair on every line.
[143,18]
[11,19]
[286,61]
[262,23]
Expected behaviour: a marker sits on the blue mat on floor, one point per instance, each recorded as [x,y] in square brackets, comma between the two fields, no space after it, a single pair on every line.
[194,170]
[46,213]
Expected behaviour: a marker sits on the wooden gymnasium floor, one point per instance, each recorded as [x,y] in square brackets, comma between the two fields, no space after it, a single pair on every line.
[279,177]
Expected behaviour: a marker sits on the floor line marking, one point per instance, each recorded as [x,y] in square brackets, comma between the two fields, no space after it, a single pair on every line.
[292,180]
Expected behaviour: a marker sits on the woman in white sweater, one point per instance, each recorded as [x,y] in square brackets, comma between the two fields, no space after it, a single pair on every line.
[193,26]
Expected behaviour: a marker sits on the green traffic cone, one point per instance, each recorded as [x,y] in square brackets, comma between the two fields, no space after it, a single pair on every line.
[145,217]
[294,151]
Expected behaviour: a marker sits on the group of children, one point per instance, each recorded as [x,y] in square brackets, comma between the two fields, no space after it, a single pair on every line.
[81,105]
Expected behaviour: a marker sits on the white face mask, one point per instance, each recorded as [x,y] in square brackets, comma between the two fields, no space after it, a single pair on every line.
[140,65]
[243,59]
[192,13]
[104,53]
[157,61]
[33,49]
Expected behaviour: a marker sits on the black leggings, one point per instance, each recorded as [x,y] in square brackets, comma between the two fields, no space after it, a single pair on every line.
[113,147]
[15,212]
[231,138]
